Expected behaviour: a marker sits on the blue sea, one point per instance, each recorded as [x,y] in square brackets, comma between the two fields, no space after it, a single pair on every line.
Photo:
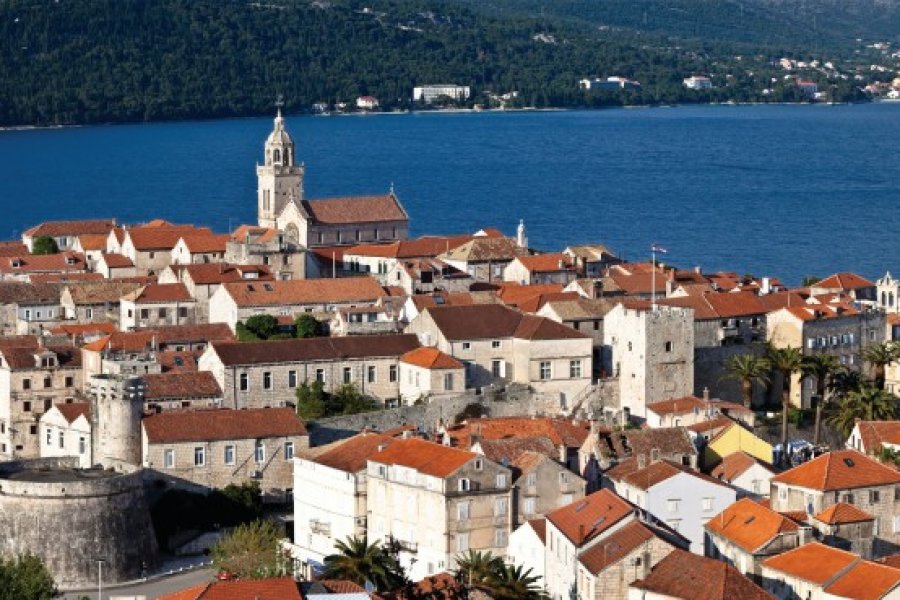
[785,191]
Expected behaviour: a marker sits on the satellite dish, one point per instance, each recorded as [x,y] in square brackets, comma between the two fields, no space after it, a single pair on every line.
[369,587]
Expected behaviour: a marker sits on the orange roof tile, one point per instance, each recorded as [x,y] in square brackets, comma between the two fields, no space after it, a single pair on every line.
[160,292]
[71,228]
[280,588]
[178,385]
[839,470]
[496,321]
[161,238]
[735,464]
[116,261]
[844,281]
[430,358]
[93,241]
[426,457]
[72,410]
[514,293]
[813,562]
[546,263]
[257,235]
[661,470]
[204,243]
[865,581]
[615,547]
[688,576]
[82,329]
[305,291]
[222,424]
[750,525]
[43,263]
[351,455]
[842,512]
[558,430]
[356,209]
[678,406]
[876,433]
[585,519]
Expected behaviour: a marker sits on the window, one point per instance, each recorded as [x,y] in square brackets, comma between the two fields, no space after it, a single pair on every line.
[82,445]
[292,379]
[462,511]
[26,384]
[495,344]
[497,368]
[673,505]
[162,313]
[199,456]
[448,381]
[244,382]
[848,498]
[575,369]
[531,479]
[500,507]
[49,436]
[528,506]
[563,477]
[182,312]
[320,375]
[48,382]
[462,542]
[70,381]
[267,380]
[229,454]
[466,345]
[546,370]
[62,439]
[463,485]
[500,538]
[478,464]
[288,450]
[145,313]
[501,480]
[707,504]
[874,497]
[348,375]
[26,406]
[370,374]
[392,373]
[169,459]
[782,493]
[669,346]
[260,452]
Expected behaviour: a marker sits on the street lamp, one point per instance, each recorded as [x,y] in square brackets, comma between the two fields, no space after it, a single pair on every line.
[100,562]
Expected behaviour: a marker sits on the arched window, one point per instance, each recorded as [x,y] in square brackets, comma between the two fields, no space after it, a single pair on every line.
[883,298]
[891,299]
[276,156]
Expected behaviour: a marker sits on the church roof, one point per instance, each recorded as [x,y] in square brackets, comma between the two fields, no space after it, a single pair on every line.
[356,209]
[279,134]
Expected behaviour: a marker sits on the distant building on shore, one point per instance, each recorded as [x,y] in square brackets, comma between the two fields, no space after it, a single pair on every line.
[698,82]
[610,84]
[430,93]
[367,103]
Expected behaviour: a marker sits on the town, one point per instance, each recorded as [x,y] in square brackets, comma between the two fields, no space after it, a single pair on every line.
[457,415]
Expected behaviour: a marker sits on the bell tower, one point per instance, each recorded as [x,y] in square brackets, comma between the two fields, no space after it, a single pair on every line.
[280,178]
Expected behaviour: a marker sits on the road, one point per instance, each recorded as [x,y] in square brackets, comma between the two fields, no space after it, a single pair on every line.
[149,589]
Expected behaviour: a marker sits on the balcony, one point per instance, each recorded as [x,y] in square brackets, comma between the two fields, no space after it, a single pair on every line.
[320,527]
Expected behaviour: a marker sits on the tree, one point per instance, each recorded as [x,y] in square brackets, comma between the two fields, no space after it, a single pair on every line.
[879,356]
[785,361]
[348,401]
[25,578]
[821,367]
[311,401]
[307,326]
[869,403]
[476,567]
[251,551]
[810,280]
[44,245]
[845,381]
[358,561]
[511,582]
[262,326]
[748,369]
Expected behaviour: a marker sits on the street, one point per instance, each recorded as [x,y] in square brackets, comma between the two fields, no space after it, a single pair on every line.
[150,589]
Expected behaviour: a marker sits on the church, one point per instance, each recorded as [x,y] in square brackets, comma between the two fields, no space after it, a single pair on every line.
[322,222]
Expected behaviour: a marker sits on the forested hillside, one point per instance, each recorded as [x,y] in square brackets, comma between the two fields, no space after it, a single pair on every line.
[83,61]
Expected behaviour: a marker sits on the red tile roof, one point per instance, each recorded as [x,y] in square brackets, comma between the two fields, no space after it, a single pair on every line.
[257,235]
[83,329]
[510,450]
[585,519]
[615,547]
[72,410]
[839,470]
[64,278]
[514,293]
[495,321]
[312,349]
[688,576]
[661,470]
[540,528]
[43,263]
[205,243]
[13,248]
[840,513]
[423,301]
[423,247]
[222,424]
[715,305]
[844,281]
[734,465]
[813,562]
[156,293]
[865,581]
[356,209]
[305,291]
[166,386]
[93,241]
[430,358]
[678,406]
[164,238]
[144,339]
[547,263]
[71,228]
[280,588]
[215,273]
[750,525]
[876,433]
[352,454]
[116,261]
[441,586]
[423,456]
[557,430]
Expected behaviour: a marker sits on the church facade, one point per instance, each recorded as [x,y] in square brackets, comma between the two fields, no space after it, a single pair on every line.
[322,222]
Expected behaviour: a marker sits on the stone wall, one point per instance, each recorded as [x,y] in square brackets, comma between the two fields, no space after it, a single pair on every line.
[710,372]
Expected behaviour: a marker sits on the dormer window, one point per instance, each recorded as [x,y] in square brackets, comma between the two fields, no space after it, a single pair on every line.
[16,263]
[70,260]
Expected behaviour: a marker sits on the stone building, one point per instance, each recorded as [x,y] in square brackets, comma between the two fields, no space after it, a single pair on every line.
[258,374]
[269,248]
[95,301]
[484,258]
[199,248]
[113,266]
[887,292]
[651,354]
[849,477]
[22,268]
[65,431]
[157,305]
[435,502]
[202,280]
[29,308]
[65,233]
[149,247]
[210,449]
[541,269]
[175,390]
[429,373]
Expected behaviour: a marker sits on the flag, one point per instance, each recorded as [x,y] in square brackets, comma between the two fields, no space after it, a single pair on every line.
[658,249]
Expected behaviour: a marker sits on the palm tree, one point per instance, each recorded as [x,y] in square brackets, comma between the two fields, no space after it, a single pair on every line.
[786,361]
[821,367]
[510,582]
[476,567]
[358,561]
[748,369]
[869,403]
[844,381]
[878,357]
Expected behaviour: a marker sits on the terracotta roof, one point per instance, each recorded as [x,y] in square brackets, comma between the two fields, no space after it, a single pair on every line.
[340,586]
[204,243]
[734,465]
[546,263]
[540,528]
[31,263]
[71,228]
[840,513]
[64,278]
[164,238]
[84,329]
[590,252]
[582,308]
[661,470]
[257,235]
[485,249]
[668,440]
[312,349]
[280,588]
[423,247]
[844,281]
[430,358]
[143,339]
[222,424]
[172,361]
[717,424]
[865,580]
[351,455]
[876,433]
[155,293]
[215,273]
[750,525]
[72,410]
[423,456]
[557,430]
[163,386]
[615,547]
[116,261]
[813,562]
[892,560]
[585,519]
[93,241]
[13,248]
[101,292]
[639,283]
[839,470]
[493,321]
[423,301]
[305,291]
[514,294]
[678,406]
[509,450]
[24,358]
[18,292]
[356,209]
[688,576]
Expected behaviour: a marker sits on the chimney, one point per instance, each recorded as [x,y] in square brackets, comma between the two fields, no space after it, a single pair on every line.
[766,287]
[580,531]
[706,394]
[698,270]
[641,461]
[562,264]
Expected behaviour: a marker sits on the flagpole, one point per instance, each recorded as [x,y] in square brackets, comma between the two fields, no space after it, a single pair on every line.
[653,278]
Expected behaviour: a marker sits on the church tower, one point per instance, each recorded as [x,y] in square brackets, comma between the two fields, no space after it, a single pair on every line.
[280,178]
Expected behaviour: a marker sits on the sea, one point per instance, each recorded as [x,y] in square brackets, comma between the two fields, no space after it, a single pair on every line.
[774,190]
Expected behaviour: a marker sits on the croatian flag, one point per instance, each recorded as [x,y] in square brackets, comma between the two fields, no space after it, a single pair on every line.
[658,249]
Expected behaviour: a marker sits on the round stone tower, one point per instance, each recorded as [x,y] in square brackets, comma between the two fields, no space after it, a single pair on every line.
[116,412]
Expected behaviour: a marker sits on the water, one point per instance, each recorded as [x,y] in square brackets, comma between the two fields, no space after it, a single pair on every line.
[777,190]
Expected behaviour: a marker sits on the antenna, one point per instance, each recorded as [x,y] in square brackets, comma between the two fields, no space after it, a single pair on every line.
[279,101]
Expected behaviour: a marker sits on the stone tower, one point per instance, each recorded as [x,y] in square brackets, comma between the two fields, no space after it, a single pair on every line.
[117,406]
[888,293]
[280,178]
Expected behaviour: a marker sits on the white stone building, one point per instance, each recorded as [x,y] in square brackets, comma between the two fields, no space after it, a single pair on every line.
[65,430]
